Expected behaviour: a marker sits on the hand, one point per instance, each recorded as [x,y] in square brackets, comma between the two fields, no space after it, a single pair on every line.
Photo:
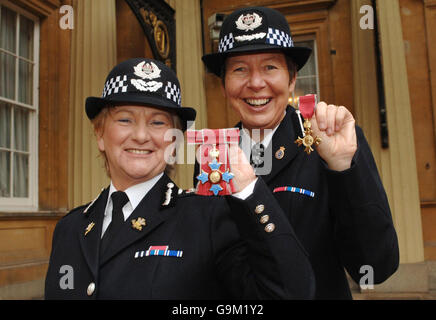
[336,127]
[240,167]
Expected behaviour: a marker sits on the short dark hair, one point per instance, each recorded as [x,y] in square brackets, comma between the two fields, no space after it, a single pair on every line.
[292,69]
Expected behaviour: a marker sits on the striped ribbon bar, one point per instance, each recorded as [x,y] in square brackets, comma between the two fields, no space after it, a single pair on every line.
[157,252]
[296,190]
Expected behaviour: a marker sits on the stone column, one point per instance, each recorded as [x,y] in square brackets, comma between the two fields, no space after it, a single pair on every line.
[365,80]
[93,55]
[396,164]
[400,157]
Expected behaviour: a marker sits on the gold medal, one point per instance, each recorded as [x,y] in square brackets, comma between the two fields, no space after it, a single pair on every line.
[306,106]
[308,139]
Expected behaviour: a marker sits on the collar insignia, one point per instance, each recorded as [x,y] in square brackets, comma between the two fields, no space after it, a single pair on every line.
[89,227]
[138,223]
[168,194]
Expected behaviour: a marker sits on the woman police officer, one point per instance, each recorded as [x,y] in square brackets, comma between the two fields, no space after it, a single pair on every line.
[143,239]
[333,197]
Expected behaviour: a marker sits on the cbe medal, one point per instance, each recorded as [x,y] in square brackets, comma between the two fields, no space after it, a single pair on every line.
[306,105]
[215,177]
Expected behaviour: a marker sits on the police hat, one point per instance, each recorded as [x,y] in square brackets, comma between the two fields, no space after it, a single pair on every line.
[255,29]
[141,81]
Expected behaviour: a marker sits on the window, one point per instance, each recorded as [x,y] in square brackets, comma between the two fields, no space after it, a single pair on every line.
[307,78]
[19,37]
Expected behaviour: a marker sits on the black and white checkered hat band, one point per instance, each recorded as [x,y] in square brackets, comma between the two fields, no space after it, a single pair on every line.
[274,36]
[226,43]
[173,93]
[115,85]
[279,38]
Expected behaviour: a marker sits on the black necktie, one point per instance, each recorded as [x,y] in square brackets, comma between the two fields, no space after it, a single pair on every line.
[119,200]
[257,155]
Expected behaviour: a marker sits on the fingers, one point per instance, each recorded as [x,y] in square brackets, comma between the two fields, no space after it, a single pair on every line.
[237,156]
[341,114]
[321,115]
[240,167]
[330,118]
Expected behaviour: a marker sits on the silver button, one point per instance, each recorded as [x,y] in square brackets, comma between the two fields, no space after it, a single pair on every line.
[264,219]
[270,227]
[91,289]
[259,208]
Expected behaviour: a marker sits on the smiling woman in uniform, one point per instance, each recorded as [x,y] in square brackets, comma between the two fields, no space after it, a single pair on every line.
[143,238]
[334,197]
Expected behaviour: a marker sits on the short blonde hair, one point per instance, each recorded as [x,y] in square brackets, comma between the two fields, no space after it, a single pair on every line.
[98,124]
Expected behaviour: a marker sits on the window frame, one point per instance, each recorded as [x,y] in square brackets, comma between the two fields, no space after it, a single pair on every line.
[297,39]
[29,203]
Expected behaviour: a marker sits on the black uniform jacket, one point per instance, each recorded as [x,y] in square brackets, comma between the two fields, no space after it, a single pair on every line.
[226,253]
[346,224]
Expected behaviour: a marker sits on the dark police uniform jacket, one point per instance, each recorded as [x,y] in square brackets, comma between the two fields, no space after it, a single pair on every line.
[346,224]
[226,253]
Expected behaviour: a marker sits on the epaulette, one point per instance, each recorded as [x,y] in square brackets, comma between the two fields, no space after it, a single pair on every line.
[89,205]
[185,193]
[79,208]
[172,193]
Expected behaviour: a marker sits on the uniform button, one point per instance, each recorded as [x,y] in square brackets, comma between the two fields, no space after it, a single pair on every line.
[91,289]
[270,227]
[264,219]
[259,208]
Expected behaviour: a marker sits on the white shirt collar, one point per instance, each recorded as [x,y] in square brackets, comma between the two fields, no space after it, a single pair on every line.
[247,141]
[134,193]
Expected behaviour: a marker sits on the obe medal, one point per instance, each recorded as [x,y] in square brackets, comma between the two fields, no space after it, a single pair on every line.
[306,105]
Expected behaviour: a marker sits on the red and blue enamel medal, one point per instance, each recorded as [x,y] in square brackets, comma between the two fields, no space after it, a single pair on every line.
[215,177]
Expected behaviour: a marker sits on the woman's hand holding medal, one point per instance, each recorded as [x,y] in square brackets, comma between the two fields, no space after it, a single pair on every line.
[336,127]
